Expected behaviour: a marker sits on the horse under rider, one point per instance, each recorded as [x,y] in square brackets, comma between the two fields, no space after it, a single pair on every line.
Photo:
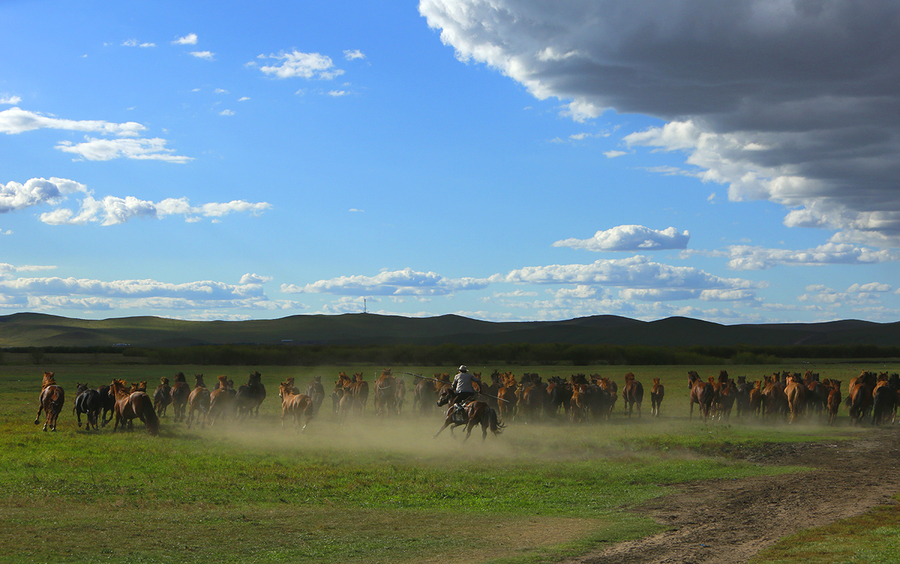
[462,385]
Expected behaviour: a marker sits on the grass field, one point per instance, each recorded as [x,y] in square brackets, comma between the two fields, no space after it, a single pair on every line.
[371,490]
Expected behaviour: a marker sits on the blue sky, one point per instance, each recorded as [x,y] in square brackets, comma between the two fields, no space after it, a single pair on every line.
[508,160]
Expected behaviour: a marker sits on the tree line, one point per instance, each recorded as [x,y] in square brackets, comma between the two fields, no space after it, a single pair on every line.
[449,354]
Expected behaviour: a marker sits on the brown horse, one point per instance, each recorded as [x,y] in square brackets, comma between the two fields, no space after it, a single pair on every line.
[834,399]
[701,393]
[385,395]
[295,405]
[198,401]
[632,394]
[180,392]
[250,396]
[471,414]
[133,405]
[221,400]
[162,397]
[657,393]
[51,400]
[795,391]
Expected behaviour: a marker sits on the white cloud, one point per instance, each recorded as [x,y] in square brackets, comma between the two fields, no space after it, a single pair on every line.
[94,149]
[614,154]
[205,55]
[302,65]
[226,113]
[780,100]
[16,120]
[135,43]
[871,287]
[337,93]
[243,98]
[36,191]
[11,100]
[630,238]
[743,257]
[406,282]
[354,54]
[636,272]
[254,279]
[189,39]
[112,210]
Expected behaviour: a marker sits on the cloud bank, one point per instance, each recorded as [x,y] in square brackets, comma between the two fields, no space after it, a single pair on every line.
[790,101]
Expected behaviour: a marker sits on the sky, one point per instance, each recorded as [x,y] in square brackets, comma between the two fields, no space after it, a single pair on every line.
[503,160]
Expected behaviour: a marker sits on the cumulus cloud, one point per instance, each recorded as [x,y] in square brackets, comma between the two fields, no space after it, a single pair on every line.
[630,238]
[189,39]
[97,149]
[743,257]
[254,279]
[10,100]
[206,55]
[406,282]
[136,43]
[636,272]
[113,210]
[354,54]
[16,120]
[302,65]
[794,102]
[36,191]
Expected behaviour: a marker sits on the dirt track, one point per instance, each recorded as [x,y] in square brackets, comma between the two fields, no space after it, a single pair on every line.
[729,521]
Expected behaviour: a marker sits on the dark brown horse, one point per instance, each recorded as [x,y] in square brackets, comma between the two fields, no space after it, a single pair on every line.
[295,405]
[133,405]
[162,397]
[632,394]
[385,394]
[51,400]
[221,400]
[471,414]
[657,393]
[179,393]
[250,396]
[87,401]
[702,394]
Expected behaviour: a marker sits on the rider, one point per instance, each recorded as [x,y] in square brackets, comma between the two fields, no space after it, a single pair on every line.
[462,385]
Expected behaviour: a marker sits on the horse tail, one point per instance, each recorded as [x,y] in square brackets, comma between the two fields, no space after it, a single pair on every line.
[150,418]
[496,425]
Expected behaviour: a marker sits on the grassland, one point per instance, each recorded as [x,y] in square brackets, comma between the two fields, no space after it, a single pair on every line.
[372,490]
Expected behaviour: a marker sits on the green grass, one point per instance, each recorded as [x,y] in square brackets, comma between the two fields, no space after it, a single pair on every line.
[371,490]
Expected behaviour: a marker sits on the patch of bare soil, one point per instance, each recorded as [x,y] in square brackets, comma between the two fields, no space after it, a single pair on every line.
[729,521]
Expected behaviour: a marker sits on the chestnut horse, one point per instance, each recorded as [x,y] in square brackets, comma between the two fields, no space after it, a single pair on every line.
[385,396]
[471,414]
[133,405]
[295,405]
[702,394]
[198,401]
[51,402]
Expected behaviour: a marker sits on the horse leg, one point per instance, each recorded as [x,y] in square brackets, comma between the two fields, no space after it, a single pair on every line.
[446,424]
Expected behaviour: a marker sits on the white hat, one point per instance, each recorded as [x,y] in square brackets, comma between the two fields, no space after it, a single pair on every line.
[462,368]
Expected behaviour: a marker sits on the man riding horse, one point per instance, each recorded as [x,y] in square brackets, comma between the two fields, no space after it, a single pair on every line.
[462,385]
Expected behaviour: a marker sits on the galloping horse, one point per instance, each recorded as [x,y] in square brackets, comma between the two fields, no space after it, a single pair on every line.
[471,414]
[179,393]
[162,397]
[250,396]
[107,405]
[385,396]
[701,393]
[87,401]
[295,405]
[220,400]
[133,405]
[316,392]
[632,393]
[198,401]
[51,401]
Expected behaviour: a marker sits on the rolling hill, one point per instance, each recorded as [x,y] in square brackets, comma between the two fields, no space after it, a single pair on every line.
[40,330]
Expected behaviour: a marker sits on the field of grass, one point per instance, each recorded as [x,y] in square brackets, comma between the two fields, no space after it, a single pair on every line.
[371,490]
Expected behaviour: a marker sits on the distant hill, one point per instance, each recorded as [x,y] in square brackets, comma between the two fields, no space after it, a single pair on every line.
[40,330]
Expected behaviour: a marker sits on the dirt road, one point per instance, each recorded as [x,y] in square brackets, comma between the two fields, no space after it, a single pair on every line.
[729,521]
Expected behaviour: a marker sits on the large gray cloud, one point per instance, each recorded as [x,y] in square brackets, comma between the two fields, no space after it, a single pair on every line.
[794,101]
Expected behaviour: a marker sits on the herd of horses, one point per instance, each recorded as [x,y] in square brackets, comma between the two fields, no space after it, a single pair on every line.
[503,397]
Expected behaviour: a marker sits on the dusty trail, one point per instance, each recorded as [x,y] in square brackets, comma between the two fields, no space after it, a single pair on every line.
[729,521]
